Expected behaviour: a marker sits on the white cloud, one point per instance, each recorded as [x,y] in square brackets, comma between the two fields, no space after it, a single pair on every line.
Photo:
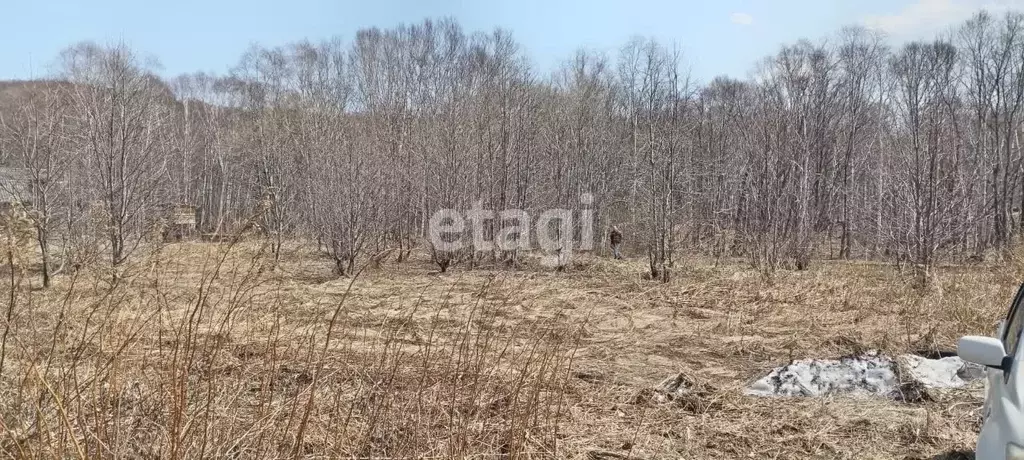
[742,19]
[924,18]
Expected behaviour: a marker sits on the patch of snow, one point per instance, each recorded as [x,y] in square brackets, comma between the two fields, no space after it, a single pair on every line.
[947,372]
[870,374]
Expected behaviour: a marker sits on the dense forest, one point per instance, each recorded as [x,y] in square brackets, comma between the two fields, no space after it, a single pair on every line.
[846,147]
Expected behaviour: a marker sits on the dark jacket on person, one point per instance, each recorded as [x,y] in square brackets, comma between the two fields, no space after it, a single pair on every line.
[615,237]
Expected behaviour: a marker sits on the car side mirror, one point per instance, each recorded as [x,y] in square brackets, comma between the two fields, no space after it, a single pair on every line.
[987,351]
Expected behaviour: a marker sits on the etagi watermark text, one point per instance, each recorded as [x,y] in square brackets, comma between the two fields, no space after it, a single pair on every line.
[553,230]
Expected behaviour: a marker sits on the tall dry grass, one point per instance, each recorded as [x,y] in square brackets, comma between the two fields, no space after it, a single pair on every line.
[201,351]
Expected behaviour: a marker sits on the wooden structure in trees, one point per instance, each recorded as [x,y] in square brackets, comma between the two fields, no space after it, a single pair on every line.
[181,222]
[15,188]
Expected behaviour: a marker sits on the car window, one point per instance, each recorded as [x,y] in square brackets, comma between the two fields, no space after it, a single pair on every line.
[1014,324]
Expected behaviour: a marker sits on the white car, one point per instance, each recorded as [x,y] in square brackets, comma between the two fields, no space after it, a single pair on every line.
[1002,430]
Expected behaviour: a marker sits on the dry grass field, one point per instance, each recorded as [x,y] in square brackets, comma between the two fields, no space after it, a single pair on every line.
[207,350]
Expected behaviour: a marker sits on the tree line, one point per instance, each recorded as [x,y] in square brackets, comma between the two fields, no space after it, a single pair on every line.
[845,147]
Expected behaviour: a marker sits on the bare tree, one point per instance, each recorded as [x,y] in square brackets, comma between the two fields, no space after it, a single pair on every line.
[120,112]
[35,132]
[926,202]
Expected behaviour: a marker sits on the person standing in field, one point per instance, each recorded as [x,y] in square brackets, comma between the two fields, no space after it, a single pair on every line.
[615,237]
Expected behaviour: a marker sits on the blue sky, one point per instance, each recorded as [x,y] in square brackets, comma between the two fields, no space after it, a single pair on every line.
[718,37]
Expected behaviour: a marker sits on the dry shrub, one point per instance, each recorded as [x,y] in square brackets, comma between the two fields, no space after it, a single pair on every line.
[18,230]
[685,390]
